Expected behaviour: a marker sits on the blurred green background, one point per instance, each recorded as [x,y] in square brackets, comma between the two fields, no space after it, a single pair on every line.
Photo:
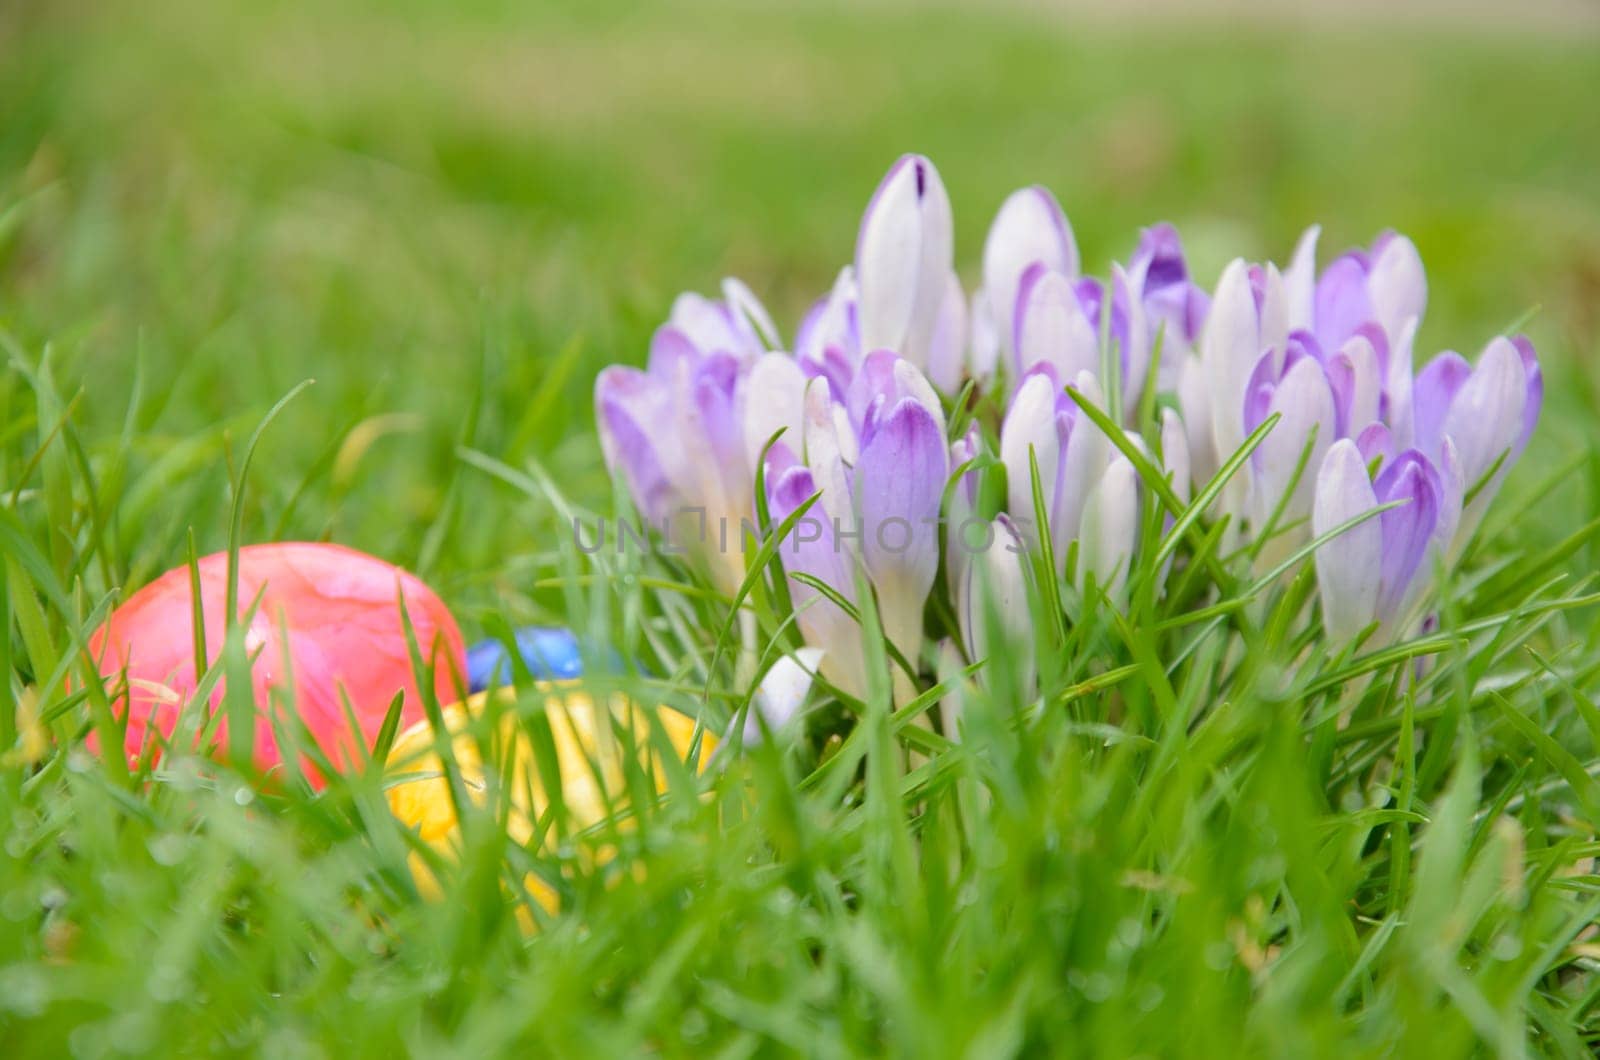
[452,217]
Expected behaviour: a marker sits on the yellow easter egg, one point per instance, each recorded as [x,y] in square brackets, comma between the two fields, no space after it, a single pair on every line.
[590,756]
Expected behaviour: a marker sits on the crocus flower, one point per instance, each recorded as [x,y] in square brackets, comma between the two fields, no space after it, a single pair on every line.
[962,519]
[1057,322]
[1380,293]
[1194,411]
[1293,385]
[1052,324]
[1379,569]
[994,585]
[828,341]
[1175,452]
[949,350]
[983,340]
[675,432]
[1069,450]
[774,400]
[903,263]
[816,549]
[1174,306]
[828,344]
[1029,230]
[1488,412]
[781,693]
[737,324]
[1385,285]
[1109,535]
[856,413]
[880,463]
[1248,317]
[900,481]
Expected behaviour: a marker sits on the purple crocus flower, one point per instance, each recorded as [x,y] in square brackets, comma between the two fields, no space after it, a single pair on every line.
[1109,535]
[1380,293]
[1057,322]
[828,342]
[983,339]
[1248,316]
[963,518]
[1175,459]
[781,694]
[1294,385]
[994,583]
[1379,569]
[856,413]
[1052,324]
[674,431]
[1029,230]
[948,348]
[880,462]
[1174,306]
[816,550]
[1385,285]
[903,266]
[737,324]
[1070,451]
[1488,412]
[1194,411]
[773,399]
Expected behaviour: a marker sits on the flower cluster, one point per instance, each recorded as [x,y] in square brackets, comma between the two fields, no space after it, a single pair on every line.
[1391,468]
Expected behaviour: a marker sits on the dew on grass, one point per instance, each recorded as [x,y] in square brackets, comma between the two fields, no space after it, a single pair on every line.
[113,883]
[1096,987]
[166,982]
[23,990]
[1506,947]
[183,773]
[694,1027]
[168,848]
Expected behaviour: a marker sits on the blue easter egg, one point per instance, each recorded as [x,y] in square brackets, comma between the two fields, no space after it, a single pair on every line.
[549,653]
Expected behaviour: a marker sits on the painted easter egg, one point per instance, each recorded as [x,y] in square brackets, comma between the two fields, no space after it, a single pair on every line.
[328,629]
[548,652]
[590,757]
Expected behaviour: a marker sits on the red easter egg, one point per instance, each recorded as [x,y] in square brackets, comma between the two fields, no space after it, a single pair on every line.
[329,623]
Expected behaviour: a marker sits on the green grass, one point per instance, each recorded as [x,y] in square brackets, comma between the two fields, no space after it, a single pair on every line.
[1206,832]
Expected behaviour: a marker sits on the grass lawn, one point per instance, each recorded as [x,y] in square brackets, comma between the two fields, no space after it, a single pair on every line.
[1211,837]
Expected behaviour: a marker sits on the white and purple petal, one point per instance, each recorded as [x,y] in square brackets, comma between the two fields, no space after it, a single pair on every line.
[903,259]
[900,482]
[1408,529]
[1029,228]
[1051,326]
[1347,564]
